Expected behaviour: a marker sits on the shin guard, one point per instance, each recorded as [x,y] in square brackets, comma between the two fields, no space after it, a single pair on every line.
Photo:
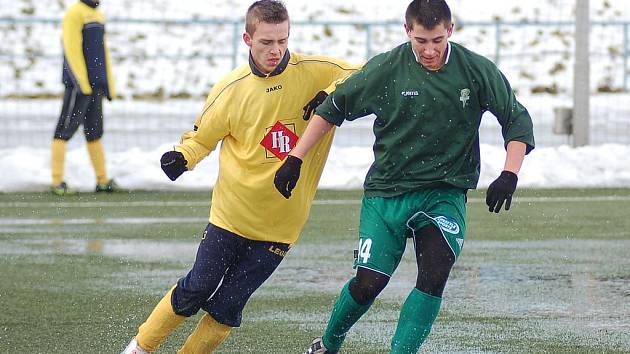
[57,160]
[416,319]
[208,335]
[345,314]
[97,156]
[161,322]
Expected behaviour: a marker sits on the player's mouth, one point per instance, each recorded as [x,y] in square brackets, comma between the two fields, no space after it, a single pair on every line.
[273,62]
[428,60]
[430,63]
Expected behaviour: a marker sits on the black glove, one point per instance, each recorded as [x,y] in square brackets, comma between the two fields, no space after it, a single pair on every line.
[173,164]
[288,175]
[309,109]
[500,191]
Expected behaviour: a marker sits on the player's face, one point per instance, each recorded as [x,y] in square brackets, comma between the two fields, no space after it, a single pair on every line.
[430,45]
[268,44]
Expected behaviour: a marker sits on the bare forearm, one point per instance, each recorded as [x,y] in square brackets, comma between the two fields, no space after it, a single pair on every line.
[316,129]
[515,156]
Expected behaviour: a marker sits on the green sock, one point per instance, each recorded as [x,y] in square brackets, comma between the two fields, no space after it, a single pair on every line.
[345,314]
[414,325]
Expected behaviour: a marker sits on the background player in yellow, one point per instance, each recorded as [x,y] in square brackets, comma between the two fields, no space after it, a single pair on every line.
[87,75]
[258,112]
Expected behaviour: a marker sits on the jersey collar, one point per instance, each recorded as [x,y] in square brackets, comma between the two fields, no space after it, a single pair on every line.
[448,53]
[92,4]
[278,70]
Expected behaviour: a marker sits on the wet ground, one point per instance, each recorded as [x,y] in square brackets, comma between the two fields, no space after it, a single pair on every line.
[578,290]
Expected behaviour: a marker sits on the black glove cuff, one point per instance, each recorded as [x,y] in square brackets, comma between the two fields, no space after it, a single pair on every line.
[310,107]
[321,97]
[294,162]
[509,176]
[171,157]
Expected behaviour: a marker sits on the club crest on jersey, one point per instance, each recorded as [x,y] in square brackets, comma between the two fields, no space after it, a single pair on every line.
[464,96]
[279,140]
[447,225]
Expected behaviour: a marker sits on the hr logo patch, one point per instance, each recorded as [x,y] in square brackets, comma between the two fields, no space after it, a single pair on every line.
[280,139]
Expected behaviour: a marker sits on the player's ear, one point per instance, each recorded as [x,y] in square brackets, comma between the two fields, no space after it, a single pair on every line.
[408,30]
[449,30]
[247,39]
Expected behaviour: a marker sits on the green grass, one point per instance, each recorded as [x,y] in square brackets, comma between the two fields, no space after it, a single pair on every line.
[552,275]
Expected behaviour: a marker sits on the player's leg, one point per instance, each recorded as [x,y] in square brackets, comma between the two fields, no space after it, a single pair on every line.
[72,113]
[206,337]
[438,237]
[435,260]
[160,323]
[381,245]
[256,262]
[93,131]
[355,299]
[217,251]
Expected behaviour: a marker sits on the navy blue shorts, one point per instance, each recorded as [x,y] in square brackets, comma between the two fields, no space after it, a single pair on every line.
[227,271]
[79,109]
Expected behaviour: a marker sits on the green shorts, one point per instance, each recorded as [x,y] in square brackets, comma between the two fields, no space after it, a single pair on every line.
[386,223]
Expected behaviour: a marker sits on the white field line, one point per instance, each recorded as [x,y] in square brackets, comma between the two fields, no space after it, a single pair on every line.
[611,198]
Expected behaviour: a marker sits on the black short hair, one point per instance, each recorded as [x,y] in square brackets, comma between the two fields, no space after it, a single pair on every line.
[268,11]
[428,13]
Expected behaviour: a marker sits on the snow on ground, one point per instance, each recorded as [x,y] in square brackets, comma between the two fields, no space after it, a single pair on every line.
[178,52]
[28,169]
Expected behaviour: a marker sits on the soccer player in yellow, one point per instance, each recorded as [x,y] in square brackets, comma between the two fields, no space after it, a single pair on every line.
[87,76]
[258,112]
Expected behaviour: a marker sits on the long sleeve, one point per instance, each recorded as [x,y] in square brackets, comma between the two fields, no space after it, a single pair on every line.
[110,73]
[73,50]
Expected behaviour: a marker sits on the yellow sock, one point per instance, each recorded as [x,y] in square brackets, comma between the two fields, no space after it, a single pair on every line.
[57,159]
[161,322]
[208,335]
[97,155]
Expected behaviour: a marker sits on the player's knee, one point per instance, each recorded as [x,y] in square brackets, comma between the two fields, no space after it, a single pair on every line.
[91,135]
[189,296]
[432,281]
[62,136]
[433,288]
[367,285]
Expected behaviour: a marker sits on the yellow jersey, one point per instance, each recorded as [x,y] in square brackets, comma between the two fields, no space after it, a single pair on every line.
[86,64]
[258,119]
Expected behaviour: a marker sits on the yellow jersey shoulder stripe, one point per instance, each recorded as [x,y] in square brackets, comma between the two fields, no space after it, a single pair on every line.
[313,60]
[223,89]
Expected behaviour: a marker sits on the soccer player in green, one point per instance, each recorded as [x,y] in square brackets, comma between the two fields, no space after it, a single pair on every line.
[428,96]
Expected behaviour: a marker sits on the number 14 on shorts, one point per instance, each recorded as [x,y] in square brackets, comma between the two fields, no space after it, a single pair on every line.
[363,253]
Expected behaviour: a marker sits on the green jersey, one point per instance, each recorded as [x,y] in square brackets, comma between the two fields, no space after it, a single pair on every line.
[427,122]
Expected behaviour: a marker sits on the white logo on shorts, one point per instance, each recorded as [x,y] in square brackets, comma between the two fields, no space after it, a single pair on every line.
[447,225]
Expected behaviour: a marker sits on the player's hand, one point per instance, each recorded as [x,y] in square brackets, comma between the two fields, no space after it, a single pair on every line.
[287,175]
[500,191]
[309,109]
[173,164]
